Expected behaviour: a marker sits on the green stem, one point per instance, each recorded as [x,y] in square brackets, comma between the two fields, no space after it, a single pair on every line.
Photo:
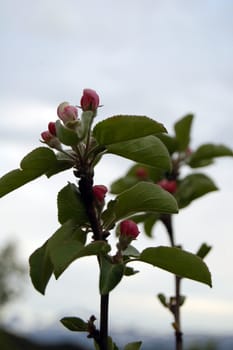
[68,154]
[78,152]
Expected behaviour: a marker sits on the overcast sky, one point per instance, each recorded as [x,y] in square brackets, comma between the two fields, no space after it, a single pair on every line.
[157,58]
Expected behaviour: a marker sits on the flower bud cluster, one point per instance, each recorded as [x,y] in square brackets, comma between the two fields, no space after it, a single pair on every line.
[188,152]
[50,138]
[68,114]
[128,232]
[141,173]
[89,100]
[129,228]
[99,192]
[168,185]
[52,128]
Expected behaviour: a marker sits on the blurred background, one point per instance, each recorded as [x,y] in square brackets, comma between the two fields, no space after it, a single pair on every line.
[159,58]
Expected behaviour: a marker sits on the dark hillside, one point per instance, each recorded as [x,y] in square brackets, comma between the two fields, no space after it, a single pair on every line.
[10,341]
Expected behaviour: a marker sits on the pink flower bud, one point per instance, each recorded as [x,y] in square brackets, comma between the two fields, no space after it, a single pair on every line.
[89,100]
[99,192]
[66,112]
[46,136]
[188,151]
[168,185]
[141,173]
[51,140]
[52,128]
[129,228]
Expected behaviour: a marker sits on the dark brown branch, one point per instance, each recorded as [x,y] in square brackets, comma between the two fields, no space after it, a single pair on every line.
[175,309]
[104,321]
[85,187]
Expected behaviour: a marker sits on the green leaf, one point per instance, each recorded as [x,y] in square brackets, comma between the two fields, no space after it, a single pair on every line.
[60,166]
[33,165]
[66,135]
[130,179]
[162,299]
[138,218]
[133,346]
[129,271]
[182,131]
[123,184]
[178,262]
[63,162]
[131,251]
[200,163]
[203,250]
[192,187]
[110,275]
[149,223]
[169,141]
[41,268]
[70,205]
[154,174]
[204,154]
[143,197]
[95,248]
[65,245]
[111,344]
[147,150]
[124,127]
[75,324]
[182,300]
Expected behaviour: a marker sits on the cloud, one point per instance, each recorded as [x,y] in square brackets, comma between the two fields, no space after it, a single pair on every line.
[157,58]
